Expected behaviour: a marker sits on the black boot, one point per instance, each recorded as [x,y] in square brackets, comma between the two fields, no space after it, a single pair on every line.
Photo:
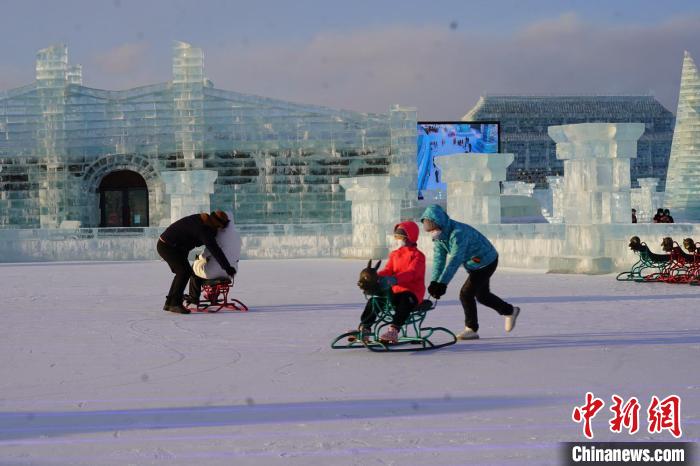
[178,309]
[167,303]
[175,305]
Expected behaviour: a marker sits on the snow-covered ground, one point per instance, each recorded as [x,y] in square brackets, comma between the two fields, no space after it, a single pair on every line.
[92,371]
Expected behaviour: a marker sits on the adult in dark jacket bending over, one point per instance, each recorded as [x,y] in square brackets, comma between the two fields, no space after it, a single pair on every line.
[178,240]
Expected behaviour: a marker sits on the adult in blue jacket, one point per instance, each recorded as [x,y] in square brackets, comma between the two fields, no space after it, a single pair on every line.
[457,244]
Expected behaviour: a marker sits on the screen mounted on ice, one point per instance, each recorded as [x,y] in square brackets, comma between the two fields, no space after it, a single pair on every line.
[448,138]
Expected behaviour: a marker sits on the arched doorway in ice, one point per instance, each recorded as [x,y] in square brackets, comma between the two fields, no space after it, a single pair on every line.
[123,200]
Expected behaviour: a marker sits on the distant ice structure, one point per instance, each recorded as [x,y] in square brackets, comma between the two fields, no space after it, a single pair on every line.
[683,178]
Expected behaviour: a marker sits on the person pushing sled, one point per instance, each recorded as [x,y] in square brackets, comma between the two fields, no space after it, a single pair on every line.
[457,244]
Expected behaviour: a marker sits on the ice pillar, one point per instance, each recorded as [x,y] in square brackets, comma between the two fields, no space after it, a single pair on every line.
[189,191]
[556,186]
[376,208]
[596,190]
[188,101]
[473,185]
[596,170]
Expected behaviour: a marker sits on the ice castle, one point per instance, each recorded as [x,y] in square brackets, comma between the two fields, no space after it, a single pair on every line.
[70,154]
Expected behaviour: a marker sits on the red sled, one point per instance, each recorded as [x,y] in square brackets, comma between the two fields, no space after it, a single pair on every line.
[214,297]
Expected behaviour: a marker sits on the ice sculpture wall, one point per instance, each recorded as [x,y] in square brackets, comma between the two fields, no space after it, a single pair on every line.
[683,178]
[277,161]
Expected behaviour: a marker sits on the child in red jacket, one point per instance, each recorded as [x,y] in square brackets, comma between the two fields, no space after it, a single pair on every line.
[405,272]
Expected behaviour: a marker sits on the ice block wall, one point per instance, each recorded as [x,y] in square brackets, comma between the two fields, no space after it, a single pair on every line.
[189,191]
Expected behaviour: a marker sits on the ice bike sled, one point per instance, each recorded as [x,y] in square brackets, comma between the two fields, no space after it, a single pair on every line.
[214,297]
[649,264]
[412,332]
[676,266]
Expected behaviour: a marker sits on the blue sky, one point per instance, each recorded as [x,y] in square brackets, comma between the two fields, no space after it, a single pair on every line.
[439,56]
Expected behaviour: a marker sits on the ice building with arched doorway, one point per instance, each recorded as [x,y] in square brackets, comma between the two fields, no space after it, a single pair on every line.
[71,153]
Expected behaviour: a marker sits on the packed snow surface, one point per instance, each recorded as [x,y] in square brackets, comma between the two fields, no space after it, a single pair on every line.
[93,372]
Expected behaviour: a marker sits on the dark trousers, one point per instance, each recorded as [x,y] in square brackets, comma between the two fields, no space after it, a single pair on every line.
[180,266]
[404,303]
[477,286]
[195,287]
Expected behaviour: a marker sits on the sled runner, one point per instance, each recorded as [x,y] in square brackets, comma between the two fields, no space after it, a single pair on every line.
[215,297]
[412,333]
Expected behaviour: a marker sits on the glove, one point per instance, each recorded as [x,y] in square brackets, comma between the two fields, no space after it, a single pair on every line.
[391,280]
[230,271]
[436,289]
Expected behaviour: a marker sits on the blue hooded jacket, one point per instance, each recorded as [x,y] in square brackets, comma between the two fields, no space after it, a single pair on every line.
[459,244]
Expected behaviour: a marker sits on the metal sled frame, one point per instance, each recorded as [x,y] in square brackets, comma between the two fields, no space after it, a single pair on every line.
[681,268]
[674,267]
[412,333]
[214,297]
[674,270]
[647,268]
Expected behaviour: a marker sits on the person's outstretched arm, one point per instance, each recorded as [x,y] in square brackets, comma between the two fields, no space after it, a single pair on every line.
[455,257]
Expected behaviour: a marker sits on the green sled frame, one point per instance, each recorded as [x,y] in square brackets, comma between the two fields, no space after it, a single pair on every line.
[647,268]
[412,336]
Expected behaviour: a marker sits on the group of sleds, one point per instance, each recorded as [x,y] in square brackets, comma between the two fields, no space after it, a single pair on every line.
[673,265]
